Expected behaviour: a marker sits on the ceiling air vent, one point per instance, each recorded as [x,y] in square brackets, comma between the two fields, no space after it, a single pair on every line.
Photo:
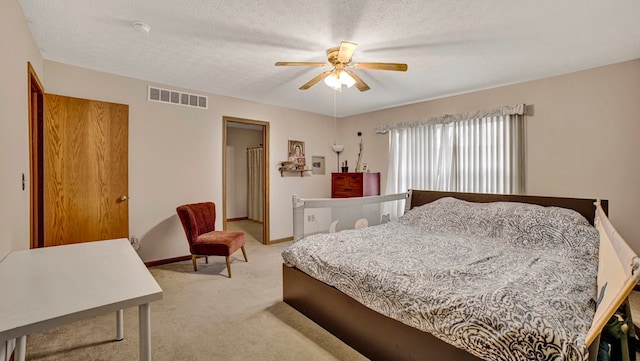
[178,98]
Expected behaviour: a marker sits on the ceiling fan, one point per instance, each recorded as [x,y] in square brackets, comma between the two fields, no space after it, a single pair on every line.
[340,58]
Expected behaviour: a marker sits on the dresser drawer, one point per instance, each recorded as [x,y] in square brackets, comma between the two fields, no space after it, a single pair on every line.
[345,185]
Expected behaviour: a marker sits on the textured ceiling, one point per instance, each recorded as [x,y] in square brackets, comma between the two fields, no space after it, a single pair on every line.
[230,47]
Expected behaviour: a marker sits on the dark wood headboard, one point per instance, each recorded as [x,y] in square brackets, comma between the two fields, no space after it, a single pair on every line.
[582,206]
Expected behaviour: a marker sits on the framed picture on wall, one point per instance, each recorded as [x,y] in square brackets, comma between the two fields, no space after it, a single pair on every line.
[296,154]
[317,165]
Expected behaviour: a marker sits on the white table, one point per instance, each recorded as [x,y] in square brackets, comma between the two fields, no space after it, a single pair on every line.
[47,287]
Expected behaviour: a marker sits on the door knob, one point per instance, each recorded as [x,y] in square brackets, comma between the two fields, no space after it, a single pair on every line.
[122,198]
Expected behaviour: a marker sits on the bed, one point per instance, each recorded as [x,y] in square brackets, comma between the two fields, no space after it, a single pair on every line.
[379,332]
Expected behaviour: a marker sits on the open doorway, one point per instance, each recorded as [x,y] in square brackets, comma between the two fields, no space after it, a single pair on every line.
[246,177]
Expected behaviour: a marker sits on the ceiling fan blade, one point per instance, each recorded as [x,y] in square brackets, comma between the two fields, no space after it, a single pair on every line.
[300,63]
[316,79]
[381,66]
[360,84]
[346,51]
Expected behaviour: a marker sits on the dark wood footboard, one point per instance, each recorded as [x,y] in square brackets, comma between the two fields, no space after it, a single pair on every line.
[374,335]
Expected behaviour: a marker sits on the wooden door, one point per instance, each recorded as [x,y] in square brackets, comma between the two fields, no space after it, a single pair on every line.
[85,170]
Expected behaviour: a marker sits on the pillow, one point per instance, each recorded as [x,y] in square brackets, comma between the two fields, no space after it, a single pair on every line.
[520,224]
[451,215]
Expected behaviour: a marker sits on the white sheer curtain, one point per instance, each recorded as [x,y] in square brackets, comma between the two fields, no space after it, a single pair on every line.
[254,184]
[473,152]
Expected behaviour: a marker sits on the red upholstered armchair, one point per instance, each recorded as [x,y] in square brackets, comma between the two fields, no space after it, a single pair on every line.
[198,220]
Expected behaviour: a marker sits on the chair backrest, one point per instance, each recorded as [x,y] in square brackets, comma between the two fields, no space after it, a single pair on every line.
[197,218]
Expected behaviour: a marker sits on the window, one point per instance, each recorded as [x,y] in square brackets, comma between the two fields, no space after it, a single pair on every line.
[474,152]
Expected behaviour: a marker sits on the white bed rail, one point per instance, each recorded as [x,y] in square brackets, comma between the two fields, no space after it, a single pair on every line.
[617,273]
[351,204]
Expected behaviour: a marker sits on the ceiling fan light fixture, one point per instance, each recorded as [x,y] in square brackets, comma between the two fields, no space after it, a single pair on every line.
[346,79]
[333,81]
[337,79]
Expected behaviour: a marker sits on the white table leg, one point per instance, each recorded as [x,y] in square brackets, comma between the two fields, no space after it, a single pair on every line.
[21,348]
[119,325]
[144,315]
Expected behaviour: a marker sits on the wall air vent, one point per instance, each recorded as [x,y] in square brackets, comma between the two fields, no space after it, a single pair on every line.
[178,98]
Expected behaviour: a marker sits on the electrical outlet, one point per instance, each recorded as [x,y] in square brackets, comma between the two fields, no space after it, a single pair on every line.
[135,242]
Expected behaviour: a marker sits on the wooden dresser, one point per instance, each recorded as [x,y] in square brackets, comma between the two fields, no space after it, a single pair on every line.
[345,185]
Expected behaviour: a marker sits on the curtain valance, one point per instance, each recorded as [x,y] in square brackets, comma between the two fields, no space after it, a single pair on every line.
[517,109]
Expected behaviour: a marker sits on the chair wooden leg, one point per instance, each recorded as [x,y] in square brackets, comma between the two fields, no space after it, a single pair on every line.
[228,266]
[206,259]
[195,265]
[244,253]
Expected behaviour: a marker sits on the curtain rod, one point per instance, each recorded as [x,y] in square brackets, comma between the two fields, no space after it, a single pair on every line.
[518,109]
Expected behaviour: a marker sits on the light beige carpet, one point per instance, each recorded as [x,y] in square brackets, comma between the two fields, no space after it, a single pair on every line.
[204,316]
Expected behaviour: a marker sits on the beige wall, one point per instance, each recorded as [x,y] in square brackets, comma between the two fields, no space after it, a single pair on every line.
[582,140]
[17,47]
[175,154]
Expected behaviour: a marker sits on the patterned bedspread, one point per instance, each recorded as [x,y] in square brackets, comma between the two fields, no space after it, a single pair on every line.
[504,281]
